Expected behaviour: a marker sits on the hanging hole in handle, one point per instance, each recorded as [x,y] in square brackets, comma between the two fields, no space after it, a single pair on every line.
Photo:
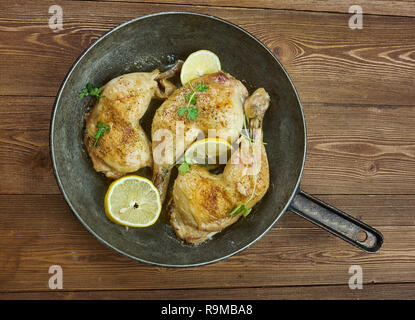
[361,236]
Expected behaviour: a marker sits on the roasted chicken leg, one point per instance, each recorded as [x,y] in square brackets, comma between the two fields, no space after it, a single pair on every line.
[203,202]
[124,100]
[220,108]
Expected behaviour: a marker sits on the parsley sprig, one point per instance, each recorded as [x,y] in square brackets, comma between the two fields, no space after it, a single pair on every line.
[192,112]
[184,167]
[191,107]
[90,90]
[103,128]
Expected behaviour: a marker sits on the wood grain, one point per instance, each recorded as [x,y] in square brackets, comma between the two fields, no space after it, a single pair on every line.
[327,60]
[380,7]
[401,291]
[25,162]
[39,231]
[359,149]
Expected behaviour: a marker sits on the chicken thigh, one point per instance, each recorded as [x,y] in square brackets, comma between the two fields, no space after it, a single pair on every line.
[124,147]
[204,203]
[220,108]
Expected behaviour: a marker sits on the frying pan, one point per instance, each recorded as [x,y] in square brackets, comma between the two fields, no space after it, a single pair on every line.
[156,41]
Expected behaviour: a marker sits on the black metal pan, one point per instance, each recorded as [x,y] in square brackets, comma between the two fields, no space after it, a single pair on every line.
[155,41]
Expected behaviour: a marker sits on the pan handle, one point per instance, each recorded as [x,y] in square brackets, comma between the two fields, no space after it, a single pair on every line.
[337,222]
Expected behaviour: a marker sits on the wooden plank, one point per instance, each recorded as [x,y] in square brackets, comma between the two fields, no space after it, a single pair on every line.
[39,231]
[25,113]
[25,162]
[87,265]
[401,291]
[381,210]
[352,149]
[327,60]
[397,8]
[359,149]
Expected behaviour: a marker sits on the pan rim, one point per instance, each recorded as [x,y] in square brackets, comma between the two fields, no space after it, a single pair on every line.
[59,182]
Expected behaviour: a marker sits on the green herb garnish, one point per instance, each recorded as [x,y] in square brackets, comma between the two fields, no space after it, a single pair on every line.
[192,112]
[103,128]
[89,90]
[181,111]
[190,97]
[201,87]
[184,167]
[241,208]
[191,108]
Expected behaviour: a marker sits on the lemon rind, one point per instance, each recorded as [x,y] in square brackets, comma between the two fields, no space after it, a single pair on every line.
[114,218]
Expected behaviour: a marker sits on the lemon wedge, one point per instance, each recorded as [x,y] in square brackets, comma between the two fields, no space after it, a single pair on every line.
[133,201]
[198,64]
[208,151]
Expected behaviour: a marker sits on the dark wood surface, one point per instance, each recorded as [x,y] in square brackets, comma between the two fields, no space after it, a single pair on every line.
[357,88]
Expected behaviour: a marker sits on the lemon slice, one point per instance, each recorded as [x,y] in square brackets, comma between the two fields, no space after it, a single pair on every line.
[198,64]
[132,201]
[208,151]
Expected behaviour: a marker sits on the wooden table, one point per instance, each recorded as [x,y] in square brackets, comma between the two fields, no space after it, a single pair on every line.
[358,91]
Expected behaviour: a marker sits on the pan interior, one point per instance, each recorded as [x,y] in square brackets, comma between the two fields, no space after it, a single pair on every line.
[153,42]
